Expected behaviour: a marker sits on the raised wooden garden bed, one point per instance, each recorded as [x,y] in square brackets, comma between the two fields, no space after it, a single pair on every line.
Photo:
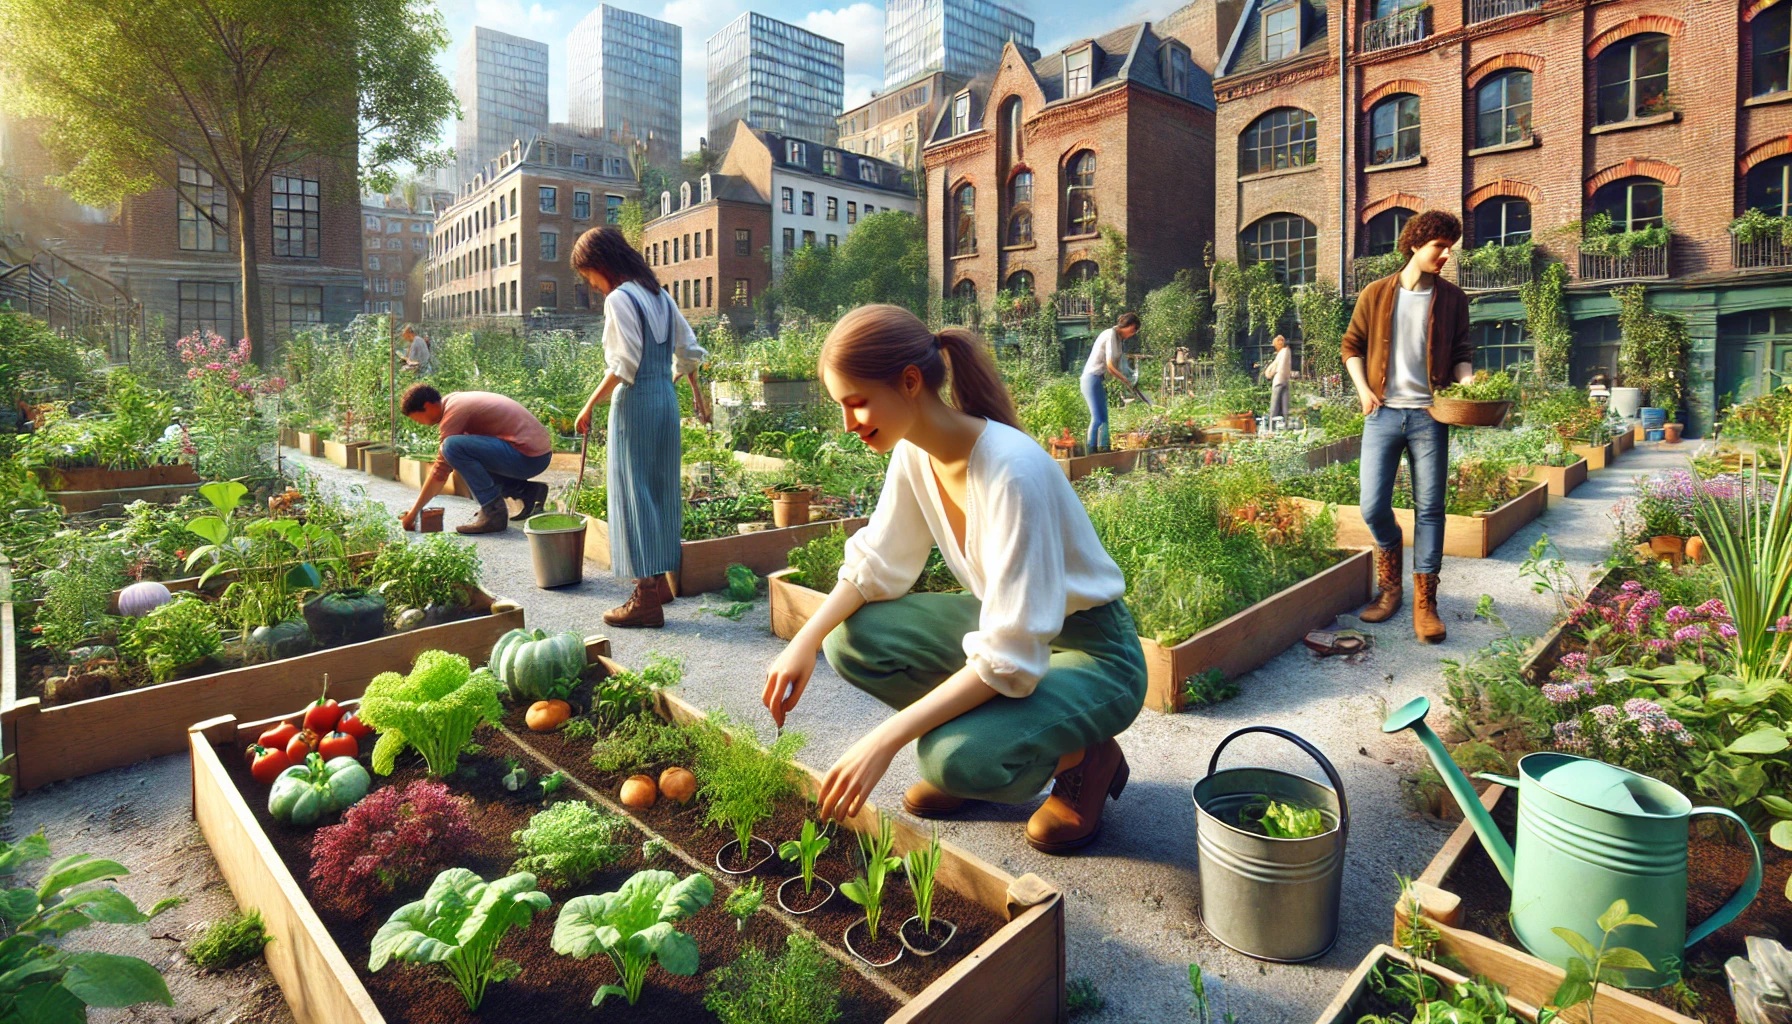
[1118,460]
[99,478]
[1476,536]
[1014,976]
[704,564]
[412,473]
[1598,456]
[62,741]
[792,603]
[91,501]
[311,443]
[378,460]
[344,453]
[1344,449]
[1622,443]
[1357,1000]
[1562,480]
[1546,650]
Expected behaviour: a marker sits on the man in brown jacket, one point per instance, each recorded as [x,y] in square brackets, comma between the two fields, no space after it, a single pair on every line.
[1408,337]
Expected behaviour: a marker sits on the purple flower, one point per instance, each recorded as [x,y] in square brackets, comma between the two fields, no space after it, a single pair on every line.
[1657,645]
[1690,634]
[1606,714]
[1727,631]
[1784,625]
[1567,734]
[1574,660]
[1631,587]
[1679,615]
[1567,693]
[1713,609]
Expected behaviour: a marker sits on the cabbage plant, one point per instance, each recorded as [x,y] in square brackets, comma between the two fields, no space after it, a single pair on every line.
[633,926]
[458,923]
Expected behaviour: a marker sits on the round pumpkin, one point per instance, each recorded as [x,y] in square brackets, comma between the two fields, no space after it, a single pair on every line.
[678,784]
[547,715]
[530,661]
[639,792]
[139,599]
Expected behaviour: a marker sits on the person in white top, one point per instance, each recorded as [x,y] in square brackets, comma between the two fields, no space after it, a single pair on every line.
[1026,677]
[1280,372]
[417,357]
[1107,355]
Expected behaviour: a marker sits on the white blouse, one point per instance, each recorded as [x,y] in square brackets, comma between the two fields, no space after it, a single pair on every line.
[624,337]
[1030,554]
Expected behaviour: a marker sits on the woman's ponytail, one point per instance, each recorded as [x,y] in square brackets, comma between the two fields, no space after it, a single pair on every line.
[878,342]
[977,389]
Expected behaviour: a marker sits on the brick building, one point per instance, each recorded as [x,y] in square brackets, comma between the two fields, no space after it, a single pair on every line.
[1528,119]
[710,246]
[892,125]
[502,247]
[396,253]
[1023,170]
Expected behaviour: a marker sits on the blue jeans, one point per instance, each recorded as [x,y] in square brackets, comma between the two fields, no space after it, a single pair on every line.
[1095,392]
[491,466]
[1426,442]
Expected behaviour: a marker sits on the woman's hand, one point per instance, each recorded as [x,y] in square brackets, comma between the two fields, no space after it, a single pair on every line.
[847,785]
[582,425]
[786,680]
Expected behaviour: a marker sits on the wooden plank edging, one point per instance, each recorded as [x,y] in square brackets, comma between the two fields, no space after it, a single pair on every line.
[1476,536]
[1562,480]
[1340,1011]
[704,563]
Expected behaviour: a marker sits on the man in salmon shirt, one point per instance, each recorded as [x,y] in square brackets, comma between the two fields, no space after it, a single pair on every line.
[495,445]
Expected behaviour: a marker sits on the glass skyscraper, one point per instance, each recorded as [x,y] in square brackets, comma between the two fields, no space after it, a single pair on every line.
[625,70]
[776,77]
[959,37]
[502,85]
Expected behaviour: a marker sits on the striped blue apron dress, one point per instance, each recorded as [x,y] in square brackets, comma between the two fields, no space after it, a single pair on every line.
[646,497]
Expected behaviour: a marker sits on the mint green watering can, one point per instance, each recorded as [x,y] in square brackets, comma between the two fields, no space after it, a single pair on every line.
[1590,833]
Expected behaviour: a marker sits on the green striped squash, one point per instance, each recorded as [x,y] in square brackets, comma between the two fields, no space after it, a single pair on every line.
[530,661]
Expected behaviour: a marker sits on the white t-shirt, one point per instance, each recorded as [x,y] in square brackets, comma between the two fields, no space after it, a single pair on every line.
[1108,347]
[1409,381]
[624,335]
[1282,369]
[419,353]
[1030,553]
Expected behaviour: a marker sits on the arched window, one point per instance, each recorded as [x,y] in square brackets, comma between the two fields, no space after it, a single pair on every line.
[1633,78]
[1382,233]
[1020,283]
[1394,130]
[1503,220]
[1011,126]
[1080,194]
[1291,242]
[1287,137]
[1631,203]
[1082,271]
[1770,36]
[964,237]
[1020,209]
[1503,109]
[1770,186]
[965,291]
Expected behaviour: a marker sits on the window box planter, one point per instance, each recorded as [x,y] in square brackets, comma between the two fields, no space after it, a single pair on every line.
[1598,456]
[1562,480]
[310,443]
[1355,999]
[1015,974]
[344,453]
[703,564]
[52,743]
[1476,536]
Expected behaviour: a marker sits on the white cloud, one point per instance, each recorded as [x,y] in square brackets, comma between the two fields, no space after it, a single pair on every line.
[512,16]
[860,28]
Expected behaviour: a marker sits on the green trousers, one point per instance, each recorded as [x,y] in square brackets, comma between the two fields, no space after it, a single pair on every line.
[1007,749]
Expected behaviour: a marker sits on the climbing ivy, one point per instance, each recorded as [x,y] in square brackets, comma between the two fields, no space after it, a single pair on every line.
[1320,307]
[1546,319]
[1653,348]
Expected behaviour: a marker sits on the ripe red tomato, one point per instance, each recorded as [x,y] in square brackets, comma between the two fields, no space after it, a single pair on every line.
[323,715]
[266,763]
[301,744]
[279,736]
[339,744]
[351,723]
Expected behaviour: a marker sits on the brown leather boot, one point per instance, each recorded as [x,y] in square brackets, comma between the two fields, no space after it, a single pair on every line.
[1425,623]
[925,800]
[1387,580]
[1071,817]
[534,496]
[645,608]
[493,517]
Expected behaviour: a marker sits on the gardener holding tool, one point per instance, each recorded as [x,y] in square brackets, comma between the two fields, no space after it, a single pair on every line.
[1107,355]
[1280,372]
[1408,336]
[1026,677]
[495,445]
[648,346]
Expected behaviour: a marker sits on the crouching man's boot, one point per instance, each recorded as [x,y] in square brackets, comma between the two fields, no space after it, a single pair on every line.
[493,517]
[1425,622]
[1387,579]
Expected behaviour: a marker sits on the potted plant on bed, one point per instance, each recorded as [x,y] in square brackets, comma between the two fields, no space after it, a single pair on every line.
[791,498]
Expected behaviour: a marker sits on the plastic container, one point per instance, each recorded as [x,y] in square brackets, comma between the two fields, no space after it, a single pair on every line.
[1655,434]
[1652,417]
[556,548]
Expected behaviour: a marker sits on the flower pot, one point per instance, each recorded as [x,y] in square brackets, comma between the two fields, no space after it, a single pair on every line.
[814,903]
[1670,433]
[1652,417]
[556,548]
[790,508]
[430,519]
[846,937]
[1461,412]
[722,855]
[288,639]
[926,943]
[1626,401]
[345,617]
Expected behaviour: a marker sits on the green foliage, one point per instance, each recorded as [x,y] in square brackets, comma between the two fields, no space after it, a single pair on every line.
[867,890]
[882,259]
[1493,258]
[458,923]
[1282,820]
[1484,386]
[1323,318]
[921,864]
[805,850]
[627,694]
[634,927]
[1055,406]
[742,782]
[77,596]
[1083,998]
[1208,687]
[1374,268]
[1654,349]
[1487,694]
[802,986]
[1546,320]
[33,357]
[1592,965]
[817,562]
[630,220]
[640,742]
[173,636]
[569,842]
[434,709]
[1601,237]
[230,941]
[743,585]
[744,902]
[418,572]
[1423,1000]
[1171,315]
[1256,296]
[1755,225]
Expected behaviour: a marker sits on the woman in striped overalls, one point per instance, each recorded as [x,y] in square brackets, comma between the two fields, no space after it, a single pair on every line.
[647,347]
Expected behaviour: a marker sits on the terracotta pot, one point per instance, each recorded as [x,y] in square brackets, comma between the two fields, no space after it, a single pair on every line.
[430,520]
[1670,433]
[790,508]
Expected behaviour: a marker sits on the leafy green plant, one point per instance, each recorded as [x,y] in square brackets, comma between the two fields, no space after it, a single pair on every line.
[1496,386]
[628,693]
[1546,320]
[173,636]
[921,865]
[578,729]
[653,849]
[743,585]
[744,902]
[633,926]
[1593,965]
[569,842]
[1208,687]
[1756,224]
[77,595]
[817,562]
[417,573]
[435,709]
[742,782]
[232,940]
[640,742]
[1083,998]
[1600,236]
[804,850]
[1282,820]
[802,986]
[458,923]
[867,890]
[1751,544]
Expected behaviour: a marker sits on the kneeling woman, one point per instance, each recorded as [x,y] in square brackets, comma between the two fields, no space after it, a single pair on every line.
[1028,676]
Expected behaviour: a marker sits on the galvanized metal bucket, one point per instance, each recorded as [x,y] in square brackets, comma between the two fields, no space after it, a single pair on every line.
[1273,899]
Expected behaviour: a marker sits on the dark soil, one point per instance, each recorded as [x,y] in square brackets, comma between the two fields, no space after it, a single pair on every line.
[1716,866]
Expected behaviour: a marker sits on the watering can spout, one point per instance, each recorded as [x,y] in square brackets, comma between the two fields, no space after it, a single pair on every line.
[1411,715]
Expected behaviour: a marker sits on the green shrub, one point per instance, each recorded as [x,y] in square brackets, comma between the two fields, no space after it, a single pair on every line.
[802,986]
[569,842]
[817,563]
[234,939]
[174,636]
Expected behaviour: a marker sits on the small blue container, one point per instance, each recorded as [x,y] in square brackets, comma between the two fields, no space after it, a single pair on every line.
[1652,418]
[1654,435]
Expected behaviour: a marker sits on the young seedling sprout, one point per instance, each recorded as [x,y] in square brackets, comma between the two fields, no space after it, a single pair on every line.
[805,850]
[920,866]
[867,890]
[744,902]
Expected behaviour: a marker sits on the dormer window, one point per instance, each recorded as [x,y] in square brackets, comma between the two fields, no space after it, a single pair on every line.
[830,161]
[548,155]
[1175,69]
[961,113]
[581,162]
[795,152]
[867,171]
[684,195]
[1077,72]
[665,203]
[1281,32]
[706,188]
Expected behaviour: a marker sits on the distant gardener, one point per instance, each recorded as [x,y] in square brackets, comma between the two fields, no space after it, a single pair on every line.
[495,445]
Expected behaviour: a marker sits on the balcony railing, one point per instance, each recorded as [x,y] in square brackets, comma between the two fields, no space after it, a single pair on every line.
[1487,10]
[1641,263]
[1495,279]
[1759,254]
[1073,304]
[1397,29]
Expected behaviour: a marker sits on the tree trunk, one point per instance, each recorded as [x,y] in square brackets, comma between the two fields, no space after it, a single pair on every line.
[253,324]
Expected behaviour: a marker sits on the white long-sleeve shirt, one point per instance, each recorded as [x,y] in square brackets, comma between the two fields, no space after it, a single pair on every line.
[1030,554]
[1282,369]
[624,336]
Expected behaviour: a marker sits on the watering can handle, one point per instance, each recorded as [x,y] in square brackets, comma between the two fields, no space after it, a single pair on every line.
[1331,773]
[1751,886]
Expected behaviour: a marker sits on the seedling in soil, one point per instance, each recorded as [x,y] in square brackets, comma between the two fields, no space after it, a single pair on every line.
[1082,997]
[1209,687]
[742,781]
[744,902]
[633,926]
[805,850]
[1606,963]
[921,865]
[458,923]
[231,940]
[867,890]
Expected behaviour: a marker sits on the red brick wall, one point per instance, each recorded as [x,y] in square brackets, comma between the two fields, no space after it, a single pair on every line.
[153,225]
[717,219]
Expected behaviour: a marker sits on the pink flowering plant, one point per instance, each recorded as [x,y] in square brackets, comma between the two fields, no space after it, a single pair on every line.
[223,427]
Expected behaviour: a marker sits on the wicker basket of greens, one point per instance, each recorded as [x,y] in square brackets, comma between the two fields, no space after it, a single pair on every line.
[1482,401]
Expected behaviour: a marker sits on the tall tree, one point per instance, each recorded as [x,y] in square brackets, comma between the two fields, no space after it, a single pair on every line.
[243,89]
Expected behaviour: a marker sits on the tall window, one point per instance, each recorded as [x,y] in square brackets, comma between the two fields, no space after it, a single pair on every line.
[1503,109]
[808,239]
[833,208]
[808,204]
[1021,283]
[1281,33]
[830,161]
[1382,233]
[550,246]
[961,113]
[743,242]
[1020,209]
[788,200]
[297,307]
[581,295]
[1633,78]
[1500,344]
[1011,126]
[1394,130]
[1770,186]
[581,205]
[208,305]
[965,291]
[612,210]
[852,212]
[373,263]
[296,223]
[789,239]
[1770,35]
[1290,242]
[1080,194]
[742,289]
[1631,203]
[550,199]
[1076,72]
[964,234]
[549,296]
[199,193]
[1503,220]
[797,153]
[1287,137]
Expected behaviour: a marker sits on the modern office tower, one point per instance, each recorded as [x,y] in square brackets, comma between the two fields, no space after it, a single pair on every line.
[502,85]
[960,37]
[777,78]
[625,70]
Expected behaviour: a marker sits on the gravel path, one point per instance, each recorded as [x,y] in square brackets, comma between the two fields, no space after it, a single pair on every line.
[1132,898]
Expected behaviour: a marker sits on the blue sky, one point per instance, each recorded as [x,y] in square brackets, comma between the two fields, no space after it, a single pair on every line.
[858,25]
